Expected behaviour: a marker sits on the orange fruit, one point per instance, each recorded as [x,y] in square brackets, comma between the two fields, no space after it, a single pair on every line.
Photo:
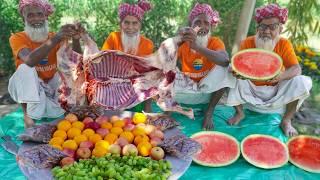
[116,130]
[56,141]
[118,123]
[71,117]
[57,147]
[102,143]
[111,138]
[70,144]
[64,125]
[106,125]
[80,138]
[88,132]
[127,135]
[99,151]
[144,148]
[139,118]
[60,133]
[138,131]
[78,124]
[95,138]
[141,138]
[73,132]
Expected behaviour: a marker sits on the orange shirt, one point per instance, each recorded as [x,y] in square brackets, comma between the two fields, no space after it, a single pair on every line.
[195,65]
[283,48]
[113,42]
[47,67]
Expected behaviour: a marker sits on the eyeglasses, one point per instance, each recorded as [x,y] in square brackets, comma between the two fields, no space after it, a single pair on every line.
[264,27]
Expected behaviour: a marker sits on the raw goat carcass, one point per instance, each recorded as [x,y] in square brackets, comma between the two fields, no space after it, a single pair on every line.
[116,80]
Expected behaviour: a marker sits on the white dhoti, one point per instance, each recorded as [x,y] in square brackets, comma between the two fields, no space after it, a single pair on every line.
[188,91]
[270,99]
[41,98]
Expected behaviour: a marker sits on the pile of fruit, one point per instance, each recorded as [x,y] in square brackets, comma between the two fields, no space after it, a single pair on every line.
[96,138]
[114,166]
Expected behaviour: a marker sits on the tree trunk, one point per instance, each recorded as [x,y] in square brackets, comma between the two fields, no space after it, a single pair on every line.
[244,23]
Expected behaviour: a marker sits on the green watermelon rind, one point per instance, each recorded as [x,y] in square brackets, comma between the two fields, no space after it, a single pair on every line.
[215,133]
[255,78]
[258,164]
[296,164]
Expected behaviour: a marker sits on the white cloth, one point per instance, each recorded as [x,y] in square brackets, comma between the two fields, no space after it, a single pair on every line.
[42,99]
[270,99]
[187,91]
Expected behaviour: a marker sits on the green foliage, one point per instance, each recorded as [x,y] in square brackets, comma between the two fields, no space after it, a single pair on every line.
[100,18]
[10,22]
[303,18]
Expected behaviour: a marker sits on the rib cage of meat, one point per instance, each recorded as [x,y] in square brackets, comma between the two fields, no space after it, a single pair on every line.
[116,80]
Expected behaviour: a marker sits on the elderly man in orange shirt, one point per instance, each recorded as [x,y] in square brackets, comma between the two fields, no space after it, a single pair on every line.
[35,82]
[283,94]
[129,39]
[204,76]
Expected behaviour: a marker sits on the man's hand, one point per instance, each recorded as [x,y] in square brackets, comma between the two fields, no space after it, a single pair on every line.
[188,35]
[238,76]
[276,79]
[68,31]
[80,29]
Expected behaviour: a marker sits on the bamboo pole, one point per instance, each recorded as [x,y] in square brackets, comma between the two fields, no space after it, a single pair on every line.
[244,23]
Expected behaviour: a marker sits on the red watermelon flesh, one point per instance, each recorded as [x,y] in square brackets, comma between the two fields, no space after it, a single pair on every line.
[304,152]
[256,64]
[218,149]
[264,151]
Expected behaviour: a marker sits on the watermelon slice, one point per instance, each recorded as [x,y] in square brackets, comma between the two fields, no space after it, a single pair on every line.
[304,152]
[264,151]
[218,149]
[256,64]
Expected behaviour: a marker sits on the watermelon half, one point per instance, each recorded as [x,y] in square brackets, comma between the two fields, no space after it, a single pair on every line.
[256,64]
[304,152]
[264,151]
[218,149]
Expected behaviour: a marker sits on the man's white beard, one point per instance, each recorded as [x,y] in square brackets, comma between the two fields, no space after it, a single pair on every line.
[130,44]
[203,40]
[266,43]
[37,34]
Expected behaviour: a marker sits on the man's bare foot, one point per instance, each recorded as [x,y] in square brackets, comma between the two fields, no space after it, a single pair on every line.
[28,122]
[207,122]
[288,129]
[235,120]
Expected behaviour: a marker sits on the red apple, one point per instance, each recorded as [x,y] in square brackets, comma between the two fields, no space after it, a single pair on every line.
[157,153]
[102,119]
[156,133]
[149,128]
[155,141]
[114,149]
[66,161]
[129,127]
[83,153]
[129,149]
[69,152]
[86,144]
[87,120]
[127,120]
[122,141]
[103,132]
[92,125]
